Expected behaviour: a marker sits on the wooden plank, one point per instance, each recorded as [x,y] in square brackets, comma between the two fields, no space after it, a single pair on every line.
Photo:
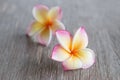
[21,59]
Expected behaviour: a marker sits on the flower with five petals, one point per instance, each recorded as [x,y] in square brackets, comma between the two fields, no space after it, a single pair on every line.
[47,21]
[72,51]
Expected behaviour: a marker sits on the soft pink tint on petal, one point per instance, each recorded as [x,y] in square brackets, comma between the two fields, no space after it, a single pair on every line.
[55,13]
[40,13]
[87,57]
[80,39]
[72,63]
[35,38]
[34,28]
[57,26]
[64,39]
[45,36]
[59,53]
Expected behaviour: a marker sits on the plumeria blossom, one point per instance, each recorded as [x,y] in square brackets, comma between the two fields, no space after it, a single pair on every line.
[72,51]
[47,21]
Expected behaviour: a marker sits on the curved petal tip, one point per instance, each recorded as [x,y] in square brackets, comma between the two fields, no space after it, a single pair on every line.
[39,6]
[60,13]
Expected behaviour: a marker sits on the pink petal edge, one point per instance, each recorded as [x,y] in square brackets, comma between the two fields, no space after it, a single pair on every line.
[53,53]
[61,32]
[64,31]
[82,29]
[39,6]
[59,56]
[60,13]
[28,29]
[53,50]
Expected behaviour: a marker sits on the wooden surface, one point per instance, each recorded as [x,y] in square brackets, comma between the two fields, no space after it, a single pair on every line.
[21,59]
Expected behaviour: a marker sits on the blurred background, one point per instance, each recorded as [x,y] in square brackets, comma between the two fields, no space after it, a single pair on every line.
[21,59]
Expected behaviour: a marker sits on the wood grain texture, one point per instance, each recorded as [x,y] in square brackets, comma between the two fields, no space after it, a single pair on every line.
[21,59]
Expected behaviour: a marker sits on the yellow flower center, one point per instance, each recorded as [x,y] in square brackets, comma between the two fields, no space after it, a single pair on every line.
[75,53]
[49,23]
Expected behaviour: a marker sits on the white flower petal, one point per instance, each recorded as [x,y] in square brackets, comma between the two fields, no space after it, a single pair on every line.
[40,13]
[57,26]
[59,54]
[64,39]
[72,63]
[80,39]
[55,13]
[45,36]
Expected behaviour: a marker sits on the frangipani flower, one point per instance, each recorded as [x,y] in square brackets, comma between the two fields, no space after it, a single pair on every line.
[72,51]
[47,21]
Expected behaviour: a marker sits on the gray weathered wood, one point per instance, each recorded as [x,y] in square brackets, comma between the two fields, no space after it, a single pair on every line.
[21,59]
